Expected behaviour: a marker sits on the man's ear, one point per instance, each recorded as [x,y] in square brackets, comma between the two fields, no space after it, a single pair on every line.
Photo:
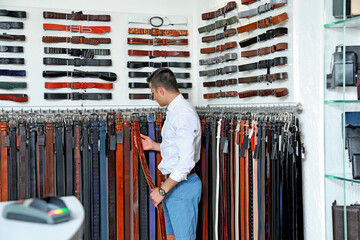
[161,90]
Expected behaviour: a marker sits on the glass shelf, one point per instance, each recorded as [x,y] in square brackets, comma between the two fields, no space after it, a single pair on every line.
[350,23]
[341,101]
[341,177]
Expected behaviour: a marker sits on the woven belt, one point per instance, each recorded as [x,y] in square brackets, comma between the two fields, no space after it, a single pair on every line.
[219,48]
[12,85]
[14,49]
[220,12]
[227,33]
[77,28]
[158,32]
[218,71]
[264,78]
[263,23]
[265,50]
[220,83]
[218,24]
[78,85]
[277,92]
[264,64]
[148,96]
[157,41]
[76,16]
[11,25]
[77,62]
[156,53]
[12,60]
[147,74]
[15,14]
[220,94]
[273,33]
[146,85]
[158,64]
[77,96]
[262,8]
[227,57]
[8,37]
[107,76]
[86,53]
[14,97]
[76,40]
[158,21]
[20,73]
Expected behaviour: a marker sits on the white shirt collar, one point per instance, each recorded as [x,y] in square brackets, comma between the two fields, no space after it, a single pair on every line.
[174,102]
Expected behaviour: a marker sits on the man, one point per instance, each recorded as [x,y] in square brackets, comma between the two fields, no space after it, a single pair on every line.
[180,150]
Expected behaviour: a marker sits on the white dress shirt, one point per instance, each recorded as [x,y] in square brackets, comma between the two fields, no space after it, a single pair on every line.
[181,135]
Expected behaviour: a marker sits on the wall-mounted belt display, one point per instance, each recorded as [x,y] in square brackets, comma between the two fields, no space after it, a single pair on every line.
[159,32]
[147,74]
[12,13]
[262,8]
[158,21]
[220,12]
[269,34]
[77,62]
[133,64]
[12,37]
[107,76]
[11,25]
[277,92]
[77,28]
[78,16]
[76,40]
[77,96]
[76,52]
[157,41]
[13,49]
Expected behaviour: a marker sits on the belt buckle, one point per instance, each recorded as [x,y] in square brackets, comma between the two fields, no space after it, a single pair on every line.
[218,71]
[74,52]
[152,31]
[4,48]
[156,25]
[154,41]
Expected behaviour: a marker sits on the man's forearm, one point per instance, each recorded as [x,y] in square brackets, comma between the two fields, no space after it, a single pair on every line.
[168,184]
[156,146]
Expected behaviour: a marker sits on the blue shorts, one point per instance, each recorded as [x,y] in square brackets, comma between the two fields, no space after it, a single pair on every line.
[181,208]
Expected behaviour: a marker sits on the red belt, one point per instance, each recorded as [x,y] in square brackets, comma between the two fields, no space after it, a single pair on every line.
[157,41]
[263,23]
[77,28]
[14,97]
[219,48]
[78,85]
[4,189]
[159,53]
[158,32]
[166,176]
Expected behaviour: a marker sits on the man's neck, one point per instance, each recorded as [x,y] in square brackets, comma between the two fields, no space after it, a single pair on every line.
[172,96]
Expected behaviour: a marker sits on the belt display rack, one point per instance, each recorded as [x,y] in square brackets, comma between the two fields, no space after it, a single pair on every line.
[250,167]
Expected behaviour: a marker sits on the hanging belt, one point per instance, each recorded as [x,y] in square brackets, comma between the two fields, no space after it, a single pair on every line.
[22,160]
[14,97]
[77,96]
[232,178]
[265,78]
[263,23]
[8,37]
[152,169]
[224,184]
[242,182]
[220,94]
[69,161]
[146,85]
[12,161]
[77,28]
[269,63]
[209,216]
[227,33]
[266,50]
[204,182]
[127,176]
[86,178]
[119,176]
[133,64]
[219,48]
[220,83]
[102,172]
[158,53]
[268,183]
[263,182]
[158,138]
[77,159]
[250,181]
[160,210]
[278,92]
[159,32]
[40,156]
[300,150]
[76,40]
[4,162]
[18,73]
[245,154]
[218,71]
[237,180]
[79,16]
[59,156]
[157,41]
[19,61]
[11,25]
[143,189]
[77,62]
[135,179]
[147,74]
[78,85]
[15,14]
[220,12]
[217,226]
[31,187]
[220,59]
[111,174]
[214,179]
[219,24]
[12,85]
[255,149]
[262,8]
[269,34]
[107,76]
[12,49]
[76,52]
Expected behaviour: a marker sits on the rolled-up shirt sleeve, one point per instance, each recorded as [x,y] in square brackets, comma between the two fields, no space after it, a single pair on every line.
[186,132]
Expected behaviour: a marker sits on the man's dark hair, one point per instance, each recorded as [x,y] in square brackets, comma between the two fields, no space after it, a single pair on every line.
[163,77]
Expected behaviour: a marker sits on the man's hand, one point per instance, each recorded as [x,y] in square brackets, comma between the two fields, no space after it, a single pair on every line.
[156,197]
[149,144]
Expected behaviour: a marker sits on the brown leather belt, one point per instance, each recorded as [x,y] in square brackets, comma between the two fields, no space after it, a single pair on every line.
[227,33]
[232,179]
[157,41]
[149,96]
[166,176]
[265,50]
[4,192]
[79,16]
[264,78]
[220,94]
[220,83]
[135,180]
[8,37]
[14,97]
[127,177]
[77,28]
[77,85]
[263,23]
[277,92]
[219,48]
[220,12]
[157,53]
[158,32]
[119,128]
[158,127]
[76,40]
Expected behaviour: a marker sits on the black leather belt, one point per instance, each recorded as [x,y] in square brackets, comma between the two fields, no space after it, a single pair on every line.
[8,37]
[22,160]
[77,62]
[12,162]
[146,85]
[76,52]
[31,187]
[40,154]
[107,76]
[273,33]
[264,64]
[20,73]
[11,25]
[86,177]
[133,64]
[218,71]
[69,166]
[12,61]
[15,14]
[12,85]
[77,96]
[147,74]
[15,49]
